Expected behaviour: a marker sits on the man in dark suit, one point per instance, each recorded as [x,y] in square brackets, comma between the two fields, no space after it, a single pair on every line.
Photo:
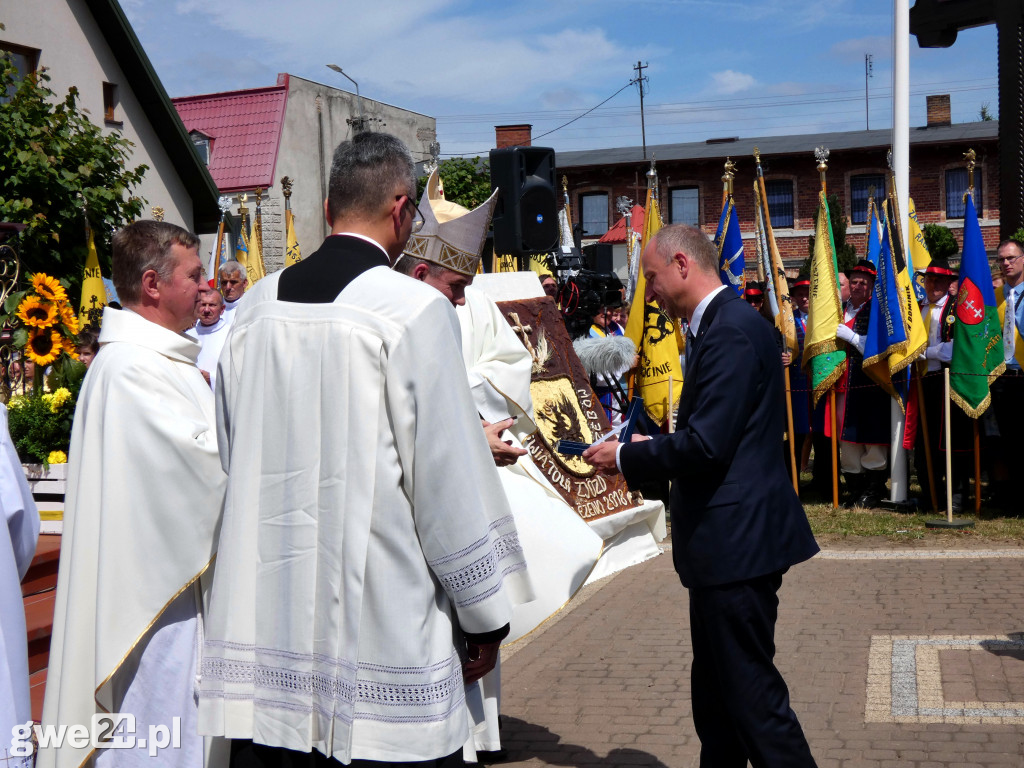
[737,525]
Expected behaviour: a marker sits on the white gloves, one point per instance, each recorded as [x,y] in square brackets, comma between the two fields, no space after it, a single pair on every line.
[853,339]
[942,352]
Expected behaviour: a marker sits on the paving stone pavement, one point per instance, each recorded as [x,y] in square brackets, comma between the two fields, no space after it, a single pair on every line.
[896,659]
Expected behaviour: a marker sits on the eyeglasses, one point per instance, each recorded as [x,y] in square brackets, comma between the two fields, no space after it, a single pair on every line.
[417,220]
[1007,259]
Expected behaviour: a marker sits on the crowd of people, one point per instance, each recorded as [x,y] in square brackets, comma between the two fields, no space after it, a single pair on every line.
[298,519]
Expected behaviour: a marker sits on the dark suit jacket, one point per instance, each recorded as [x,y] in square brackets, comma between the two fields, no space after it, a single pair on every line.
[735,515]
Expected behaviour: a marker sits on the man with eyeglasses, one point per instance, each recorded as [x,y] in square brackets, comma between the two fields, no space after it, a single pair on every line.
[1008,389]
[370,562]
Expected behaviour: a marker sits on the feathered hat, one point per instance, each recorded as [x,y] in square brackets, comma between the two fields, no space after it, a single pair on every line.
[452,236]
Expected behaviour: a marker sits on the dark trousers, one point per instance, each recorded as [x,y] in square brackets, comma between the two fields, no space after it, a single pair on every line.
[1008,405]
[247,754]
[740,701]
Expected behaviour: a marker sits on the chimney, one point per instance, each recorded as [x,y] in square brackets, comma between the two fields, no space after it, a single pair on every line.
[938,110]
[513,135]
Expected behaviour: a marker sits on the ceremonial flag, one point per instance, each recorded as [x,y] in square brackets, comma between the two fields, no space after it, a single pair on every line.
[776,282]
[503,262]
[730,247]
[242,251]
[216,259]
[654,334]
[94,293]
[292,255]
[886,335]
[539,265]
[913,324]
[918,257]
[254,263]
[823,359]
[874,234]
[978,345]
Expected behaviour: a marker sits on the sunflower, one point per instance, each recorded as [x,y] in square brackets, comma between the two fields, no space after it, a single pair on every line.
[68,319]
[37,313]
[44,346]
[48,287]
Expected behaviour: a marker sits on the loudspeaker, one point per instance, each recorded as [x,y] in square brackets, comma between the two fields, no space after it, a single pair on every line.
[599,257]
[526,216]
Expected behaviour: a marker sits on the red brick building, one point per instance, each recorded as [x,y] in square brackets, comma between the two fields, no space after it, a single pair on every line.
[690,179]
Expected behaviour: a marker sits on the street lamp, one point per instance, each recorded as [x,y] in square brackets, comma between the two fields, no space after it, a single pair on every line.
[361,123]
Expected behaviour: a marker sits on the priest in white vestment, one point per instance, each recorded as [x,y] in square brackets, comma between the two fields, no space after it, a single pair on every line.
[367,555]
[560,548]
[233,281]
[145,488]
[17,549]
[210,330]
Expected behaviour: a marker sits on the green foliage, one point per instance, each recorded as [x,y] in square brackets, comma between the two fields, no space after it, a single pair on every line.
[51,159]
[985,114]
[846,254]
[466,182]
[940,241]
[1018,236]
[40,422]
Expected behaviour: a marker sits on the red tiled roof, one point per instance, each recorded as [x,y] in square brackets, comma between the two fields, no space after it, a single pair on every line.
[245,128]
[617,234]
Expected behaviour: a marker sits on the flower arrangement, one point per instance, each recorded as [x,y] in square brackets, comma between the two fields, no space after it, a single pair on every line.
[40,425]
[49,326]
[40,421]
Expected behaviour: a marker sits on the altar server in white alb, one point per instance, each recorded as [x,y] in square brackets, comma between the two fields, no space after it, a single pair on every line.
[17,548]
[367,555]
[144,495]
[560,547]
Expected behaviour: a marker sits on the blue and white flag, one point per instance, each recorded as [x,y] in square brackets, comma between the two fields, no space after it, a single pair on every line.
[730,248]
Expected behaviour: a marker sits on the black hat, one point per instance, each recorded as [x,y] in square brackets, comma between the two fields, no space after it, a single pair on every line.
[863,266]
[940,266]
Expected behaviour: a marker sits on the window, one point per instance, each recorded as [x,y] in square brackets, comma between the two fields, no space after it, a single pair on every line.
[202,145]
[25,60]
[860,186]
[956,188]
[780,202]
[684,205]
[110,102]
[595,214]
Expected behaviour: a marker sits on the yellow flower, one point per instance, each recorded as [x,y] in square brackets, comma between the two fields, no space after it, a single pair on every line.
[16,402]
[36,313]
[58,398]
[57,457]
[44,346]
[68,319]
[48,287]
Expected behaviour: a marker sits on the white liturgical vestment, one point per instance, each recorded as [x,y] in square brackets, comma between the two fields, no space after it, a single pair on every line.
[211,341]
[144,494]
[364,519]
[17,548]
[560,548]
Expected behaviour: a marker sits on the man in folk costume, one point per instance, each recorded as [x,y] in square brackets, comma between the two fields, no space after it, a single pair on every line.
[145,488]
[17,548]
[560,547]
[864,424]
[369,561]
[938,311]
[1008,388]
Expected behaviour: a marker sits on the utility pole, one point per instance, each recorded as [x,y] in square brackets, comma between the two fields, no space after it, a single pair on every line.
[640,80]
[868,67]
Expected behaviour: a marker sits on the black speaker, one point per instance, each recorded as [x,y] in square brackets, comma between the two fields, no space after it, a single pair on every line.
[526,215]
[599,257]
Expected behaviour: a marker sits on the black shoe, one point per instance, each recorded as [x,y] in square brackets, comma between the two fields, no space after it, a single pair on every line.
[491,757]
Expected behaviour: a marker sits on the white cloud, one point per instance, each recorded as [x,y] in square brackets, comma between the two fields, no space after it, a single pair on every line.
[729,82]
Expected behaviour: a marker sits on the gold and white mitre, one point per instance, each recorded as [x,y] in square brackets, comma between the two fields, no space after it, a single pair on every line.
[452,236]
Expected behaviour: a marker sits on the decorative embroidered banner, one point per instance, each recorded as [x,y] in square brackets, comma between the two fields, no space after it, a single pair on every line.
[564,408]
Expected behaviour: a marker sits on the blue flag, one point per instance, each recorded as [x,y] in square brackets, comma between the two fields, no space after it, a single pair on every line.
[887,332]
[874,238]
[730,248]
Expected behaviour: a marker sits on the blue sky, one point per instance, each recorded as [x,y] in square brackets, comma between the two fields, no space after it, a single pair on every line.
[716,67]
